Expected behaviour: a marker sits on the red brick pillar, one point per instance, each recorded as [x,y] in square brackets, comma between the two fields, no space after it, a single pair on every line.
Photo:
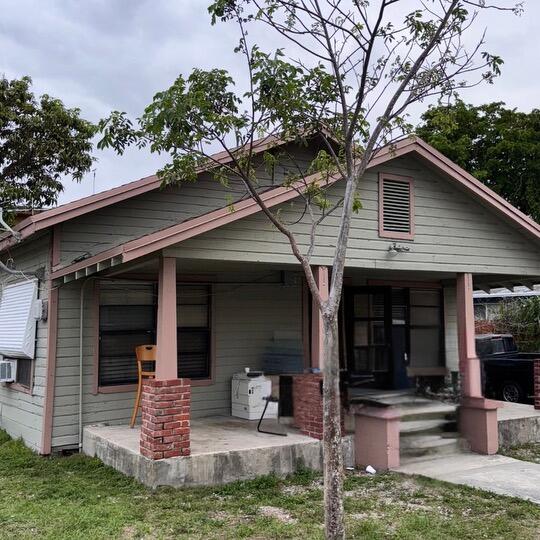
[165,424]
[307,404]
[537,384]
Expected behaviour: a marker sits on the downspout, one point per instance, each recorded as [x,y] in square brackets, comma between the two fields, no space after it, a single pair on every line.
[81,331]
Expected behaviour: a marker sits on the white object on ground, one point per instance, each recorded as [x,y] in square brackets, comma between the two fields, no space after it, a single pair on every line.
[370,470]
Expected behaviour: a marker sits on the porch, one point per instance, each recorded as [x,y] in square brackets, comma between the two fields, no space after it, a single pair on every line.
[223,449]
[211,321]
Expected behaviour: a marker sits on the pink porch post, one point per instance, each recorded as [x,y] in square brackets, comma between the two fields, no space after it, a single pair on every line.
[165,429]
[477,415]
[317,330]
[307,388]
[376,436]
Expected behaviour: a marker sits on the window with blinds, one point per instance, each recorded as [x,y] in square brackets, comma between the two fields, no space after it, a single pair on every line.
[128,318]
[396,207]
[193,320]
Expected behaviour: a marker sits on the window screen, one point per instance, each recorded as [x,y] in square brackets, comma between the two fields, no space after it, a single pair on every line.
[396,207]
[123,326]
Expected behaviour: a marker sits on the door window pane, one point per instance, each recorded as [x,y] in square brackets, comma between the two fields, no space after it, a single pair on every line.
[378,334]
[373,359]
[361,305]
[369,305]
[361,335]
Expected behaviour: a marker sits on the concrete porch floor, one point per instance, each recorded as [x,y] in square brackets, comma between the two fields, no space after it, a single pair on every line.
[223,449]
[212,435]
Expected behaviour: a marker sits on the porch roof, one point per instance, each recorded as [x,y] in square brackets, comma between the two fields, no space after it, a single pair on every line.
[158,240]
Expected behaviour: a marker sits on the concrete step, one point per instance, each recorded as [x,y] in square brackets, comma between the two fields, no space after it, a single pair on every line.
[415,427]
[428,411]
[431,445]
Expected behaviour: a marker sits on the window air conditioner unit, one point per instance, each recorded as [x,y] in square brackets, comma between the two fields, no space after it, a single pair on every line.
[8,370]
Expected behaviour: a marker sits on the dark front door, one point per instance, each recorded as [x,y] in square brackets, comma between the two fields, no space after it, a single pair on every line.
[378,337]
[400,338]
[369,335]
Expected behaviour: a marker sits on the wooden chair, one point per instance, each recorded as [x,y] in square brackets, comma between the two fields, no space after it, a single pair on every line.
[145,354]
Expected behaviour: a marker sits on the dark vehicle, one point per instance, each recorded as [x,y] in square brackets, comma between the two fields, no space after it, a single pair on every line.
[507,374]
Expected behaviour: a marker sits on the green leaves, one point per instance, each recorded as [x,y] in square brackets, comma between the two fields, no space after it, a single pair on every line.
[499,146]
[289,95]
[41,141]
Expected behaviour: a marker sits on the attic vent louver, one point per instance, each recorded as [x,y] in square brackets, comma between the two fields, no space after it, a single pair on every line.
[396,207]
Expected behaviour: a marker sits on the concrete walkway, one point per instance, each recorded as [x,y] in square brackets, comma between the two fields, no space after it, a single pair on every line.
[498,474]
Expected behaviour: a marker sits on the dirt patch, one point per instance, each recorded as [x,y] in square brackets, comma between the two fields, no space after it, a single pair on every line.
[277,513]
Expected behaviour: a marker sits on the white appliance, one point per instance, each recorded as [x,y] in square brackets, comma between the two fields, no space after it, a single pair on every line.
[8,370]
[248,393]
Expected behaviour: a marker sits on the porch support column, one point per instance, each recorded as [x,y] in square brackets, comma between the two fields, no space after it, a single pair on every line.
[469,364]
[477,415]
[166,400]
[317,330]
[166,363]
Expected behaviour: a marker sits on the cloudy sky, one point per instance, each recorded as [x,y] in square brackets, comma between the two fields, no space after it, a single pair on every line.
[102,55]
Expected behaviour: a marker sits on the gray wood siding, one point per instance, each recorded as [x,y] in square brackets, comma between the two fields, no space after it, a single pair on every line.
[245,317]
[454,233]
[450,331]
[21,414]
[114,225]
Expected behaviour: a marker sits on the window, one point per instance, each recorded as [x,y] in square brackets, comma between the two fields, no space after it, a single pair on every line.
[193,319]
[128,318]
[24,372]
[426,328]
[396,207]
[121,329]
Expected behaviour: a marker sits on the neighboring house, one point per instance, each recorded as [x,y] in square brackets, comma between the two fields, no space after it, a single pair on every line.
[487,303]
[141,264]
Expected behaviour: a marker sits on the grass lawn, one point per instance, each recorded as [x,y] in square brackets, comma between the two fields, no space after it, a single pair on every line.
[78,497]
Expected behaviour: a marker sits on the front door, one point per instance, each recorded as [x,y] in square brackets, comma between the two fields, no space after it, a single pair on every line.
[377,337]
[400,338]
[368,331]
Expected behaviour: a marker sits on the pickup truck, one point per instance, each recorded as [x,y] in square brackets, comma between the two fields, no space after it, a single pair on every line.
[507,374]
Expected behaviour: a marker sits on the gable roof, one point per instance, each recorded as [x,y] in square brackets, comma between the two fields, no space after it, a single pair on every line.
[462,179]
[54,216]
[171,235]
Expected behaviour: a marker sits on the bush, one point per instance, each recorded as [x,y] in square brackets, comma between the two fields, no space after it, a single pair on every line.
[521,318]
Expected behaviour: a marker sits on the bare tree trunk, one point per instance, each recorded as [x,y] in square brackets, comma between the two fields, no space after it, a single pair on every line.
[333,452]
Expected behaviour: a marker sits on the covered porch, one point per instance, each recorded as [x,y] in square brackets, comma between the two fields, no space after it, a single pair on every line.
[261,316]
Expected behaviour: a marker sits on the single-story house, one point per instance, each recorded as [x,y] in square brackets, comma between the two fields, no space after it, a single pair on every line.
[219,291]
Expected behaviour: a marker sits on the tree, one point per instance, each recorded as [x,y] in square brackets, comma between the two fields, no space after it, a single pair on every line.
[499,146]
[345,70]
[521,318]
[40,142]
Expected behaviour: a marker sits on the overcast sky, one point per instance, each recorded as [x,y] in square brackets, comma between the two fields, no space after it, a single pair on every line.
[102,55]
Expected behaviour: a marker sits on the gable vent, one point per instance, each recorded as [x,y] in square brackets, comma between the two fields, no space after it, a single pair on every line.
[396,207]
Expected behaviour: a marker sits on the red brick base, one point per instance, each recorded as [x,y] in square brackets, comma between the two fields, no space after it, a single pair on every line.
[165,424]
[537,384]
[307,404]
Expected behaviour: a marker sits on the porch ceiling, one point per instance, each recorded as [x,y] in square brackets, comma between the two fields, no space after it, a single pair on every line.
[483,282]
[227,271]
